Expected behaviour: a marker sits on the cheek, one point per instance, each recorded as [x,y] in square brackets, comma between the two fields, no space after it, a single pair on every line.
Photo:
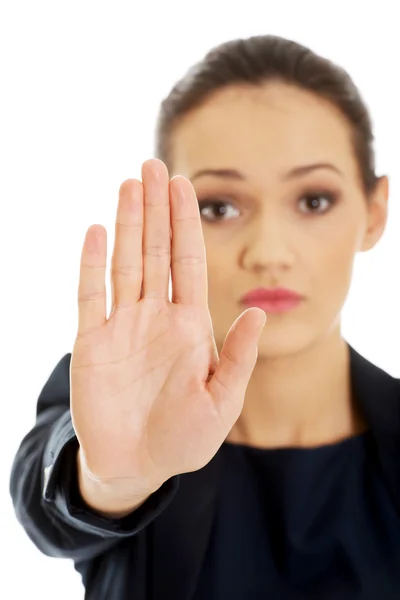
[335,266]
[220,278]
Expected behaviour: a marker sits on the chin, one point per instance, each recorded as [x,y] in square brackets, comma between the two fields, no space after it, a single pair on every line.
[281,343]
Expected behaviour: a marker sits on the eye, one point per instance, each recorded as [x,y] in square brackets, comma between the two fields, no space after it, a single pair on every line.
[313,199]
[215,207]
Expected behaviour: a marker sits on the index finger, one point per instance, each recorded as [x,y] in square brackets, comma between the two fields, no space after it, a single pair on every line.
[188,252]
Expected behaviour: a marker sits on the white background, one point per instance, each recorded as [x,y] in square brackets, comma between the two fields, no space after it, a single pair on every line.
[81,83]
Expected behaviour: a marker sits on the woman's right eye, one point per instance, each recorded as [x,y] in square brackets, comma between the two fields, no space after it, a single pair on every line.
[217,208]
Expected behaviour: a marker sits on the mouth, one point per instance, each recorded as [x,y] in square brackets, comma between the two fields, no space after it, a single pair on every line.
[276,306]
[274,300]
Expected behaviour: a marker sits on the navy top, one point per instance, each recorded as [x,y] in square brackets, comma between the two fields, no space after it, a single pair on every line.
[302,523]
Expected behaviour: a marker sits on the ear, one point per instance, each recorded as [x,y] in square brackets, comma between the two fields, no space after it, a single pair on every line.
[377,214]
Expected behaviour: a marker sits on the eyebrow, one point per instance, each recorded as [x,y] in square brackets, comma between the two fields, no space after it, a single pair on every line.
[295,172]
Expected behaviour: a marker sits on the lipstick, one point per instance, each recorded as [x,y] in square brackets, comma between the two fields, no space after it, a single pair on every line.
[272,300]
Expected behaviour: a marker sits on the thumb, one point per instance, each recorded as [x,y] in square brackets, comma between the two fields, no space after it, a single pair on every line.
[238,358]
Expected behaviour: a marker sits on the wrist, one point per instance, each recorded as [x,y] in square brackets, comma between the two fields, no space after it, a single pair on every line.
[112,500]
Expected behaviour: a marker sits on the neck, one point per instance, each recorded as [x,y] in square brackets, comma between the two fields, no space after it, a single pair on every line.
[302,399]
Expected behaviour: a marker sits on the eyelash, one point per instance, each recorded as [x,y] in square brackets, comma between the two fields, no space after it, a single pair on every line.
[329,196]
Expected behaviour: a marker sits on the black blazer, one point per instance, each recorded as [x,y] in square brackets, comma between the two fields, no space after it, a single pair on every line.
[156,552]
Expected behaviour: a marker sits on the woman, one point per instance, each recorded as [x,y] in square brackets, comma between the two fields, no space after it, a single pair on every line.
[291,488]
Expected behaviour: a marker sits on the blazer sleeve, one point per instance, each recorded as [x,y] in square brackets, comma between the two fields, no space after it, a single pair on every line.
[44,484]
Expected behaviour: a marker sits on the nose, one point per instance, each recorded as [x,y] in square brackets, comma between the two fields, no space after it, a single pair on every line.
[266,246]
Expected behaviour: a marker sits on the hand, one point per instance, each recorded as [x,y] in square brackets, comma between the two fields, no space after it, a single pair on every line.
[150,397]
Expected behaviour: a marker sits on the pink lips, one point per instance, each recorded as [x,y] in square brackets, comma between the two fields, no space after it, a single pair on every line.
[273,300]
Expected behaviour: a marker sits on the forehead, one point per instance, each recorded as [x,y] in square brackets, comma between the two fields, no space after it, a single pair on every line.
[275,125]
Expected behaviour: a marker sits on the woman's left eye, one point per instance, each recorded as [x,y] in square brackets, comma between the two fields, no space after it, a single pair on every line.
[316,200]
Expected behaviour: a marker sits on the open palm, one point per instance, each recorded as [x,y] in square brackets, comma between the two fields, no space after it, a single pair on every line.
[150,397]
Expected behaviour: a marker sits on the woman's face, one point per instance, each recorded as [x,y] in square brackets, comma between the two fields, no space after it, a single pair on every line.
[265,226]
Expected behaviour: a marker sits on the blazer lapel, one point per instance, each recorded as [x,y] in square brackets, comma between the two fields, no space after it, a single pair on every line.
[378,395]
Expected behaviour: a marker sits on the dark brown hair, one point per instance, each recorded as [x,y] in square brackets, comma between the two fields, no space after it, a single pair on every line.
[255,61]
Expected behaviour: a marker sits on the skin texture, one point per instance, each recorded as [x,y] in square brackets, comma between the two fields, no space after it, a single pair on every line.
[273,234]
